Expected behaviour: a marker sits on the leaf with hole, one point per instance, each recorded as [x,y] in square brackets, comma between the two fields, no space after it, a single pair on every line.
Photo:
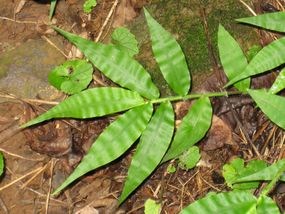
[233,62]
[153,144]
[72,76]
[115,140]
[235,202]
[169,57]
[270,21]
[124,40]
[269,57]
[90,103]
[279,83]
[193,128]
[116,65]
[273,106]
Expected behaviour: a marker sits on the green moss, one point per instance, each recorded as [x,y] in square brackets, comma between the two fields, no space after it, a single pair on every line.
[184,20]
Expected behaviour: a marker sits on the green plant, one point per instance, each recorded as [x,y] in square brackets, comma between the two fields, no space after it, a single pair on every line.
[139,95]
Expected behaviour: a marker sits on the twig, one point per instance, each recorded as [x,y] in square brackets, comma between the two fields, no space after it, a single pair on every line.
[107,20]
[53,162]
[248,7]
[54,45]
[20,178]
[19,156]
[17,21]
[33,177]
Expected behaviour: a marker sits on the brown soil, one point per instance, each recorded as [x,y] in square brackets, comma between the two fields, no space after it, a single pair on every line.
[38,159]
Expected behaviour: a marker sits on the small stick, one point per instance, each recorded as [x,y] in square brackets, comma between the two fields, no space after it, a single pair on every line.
[248,7]
[107,20]
[17,21]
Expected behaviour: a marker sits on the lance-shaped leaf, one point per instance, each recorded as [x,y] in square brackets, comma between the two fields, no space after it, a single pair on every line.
[153,144]
[271,105]
[224,203]
[169,57]
[113,142]
[265,174]
[193,128]
[94,102]
[279,83]
[124,40]
[232,58]
[270,21]
[116,65]
[266,59]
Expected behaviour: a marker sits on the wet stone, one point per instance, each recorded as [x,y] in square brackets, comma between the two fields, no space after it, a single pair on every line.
[24,70]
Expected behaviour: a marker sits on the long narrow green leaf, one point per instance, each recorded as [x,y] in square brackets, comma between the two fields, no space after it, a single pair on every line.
[279,83]
[193,128]
[169,57]
[116,65]
[94,102]
[236,202]
[271,21]
[113,142]
[271,105]
[52,8]
[232,58]
[266,174]
[266,59]
[151,149]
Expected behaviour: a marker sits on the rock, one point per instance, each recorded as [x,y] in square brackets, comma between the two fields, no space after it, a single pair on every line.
[24,70]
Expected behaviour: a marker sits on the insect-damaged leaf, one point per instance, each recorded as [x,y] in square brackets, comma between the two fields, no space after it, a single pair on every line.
[151,148]
[270,21]
[169,57]
[94,102]
[233,62]
[193,128]
[116,65]
[267,58]
[271,105]
[72,76]
[113,142]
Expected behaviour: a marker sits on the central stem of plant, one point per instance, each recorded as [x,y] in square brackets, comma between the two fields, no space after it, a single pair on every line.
[194,96]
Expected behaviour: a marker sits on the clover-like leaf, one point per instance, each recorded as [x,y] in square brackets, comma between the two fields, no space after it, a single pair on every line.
[115,140]
[193,128]
[270,21]
[72,76]
[235,202]
[90,103]
[233,62]
[169,56]
[89,5]
[269,57]
[116,65]
[279,83]
[124,40]
[236,169]
[272,105]
[153,144]
[189,158]
[151,207]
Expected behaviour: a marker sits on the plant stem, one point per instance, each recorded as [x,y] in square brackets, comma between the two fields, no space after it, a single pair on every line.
[194,96]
